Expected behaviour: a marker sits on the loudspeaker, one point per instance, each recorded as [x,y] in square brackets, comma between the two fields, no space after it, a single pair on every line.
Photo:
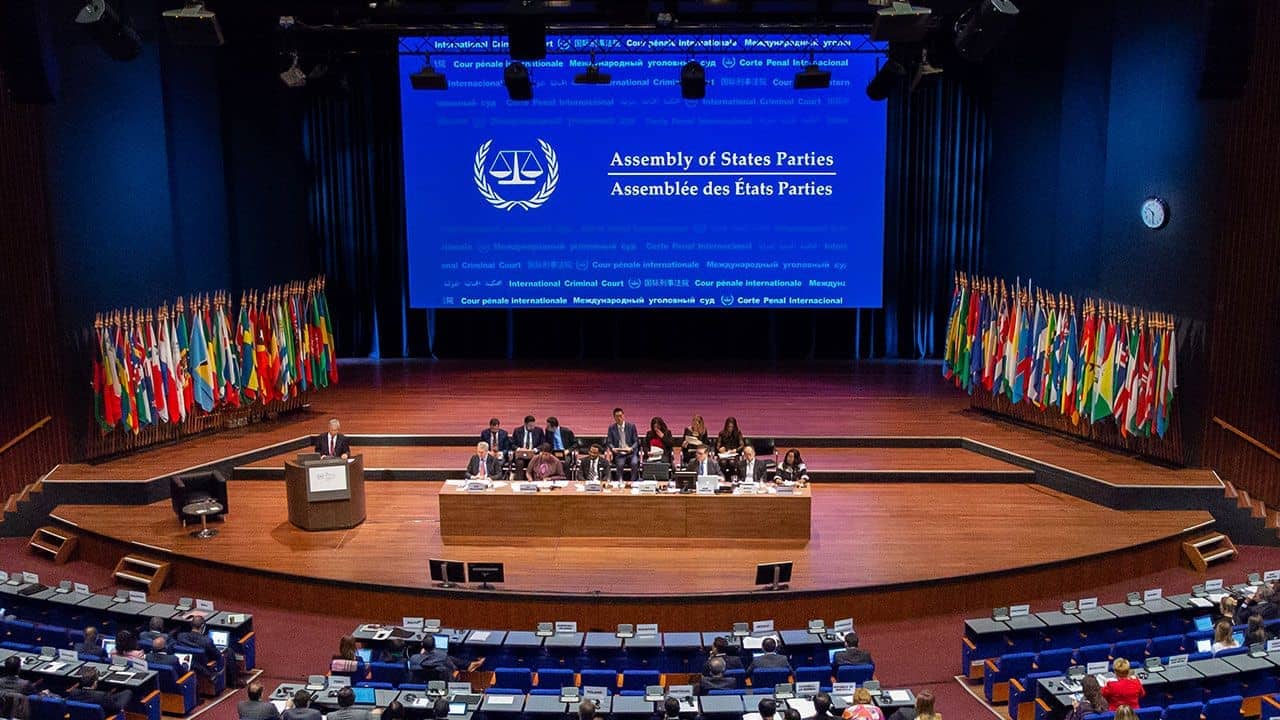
[1228,50]
[26,52]
[527,37]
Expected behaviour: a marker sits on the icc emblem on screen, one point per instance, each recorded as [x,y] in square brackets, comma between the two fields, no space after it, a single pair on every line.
[514,170]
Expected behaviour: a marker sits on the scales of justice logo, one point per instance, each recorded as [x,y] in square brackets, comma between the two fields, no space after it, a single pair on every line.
[516,170]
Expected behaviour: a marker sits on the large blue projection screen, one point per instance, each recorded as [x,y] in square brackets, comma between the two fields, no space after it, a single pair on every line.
[625,195]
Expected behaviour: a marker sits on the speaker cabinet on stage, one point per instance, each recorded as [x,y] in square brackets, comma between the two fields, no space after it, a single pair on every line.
[325,494]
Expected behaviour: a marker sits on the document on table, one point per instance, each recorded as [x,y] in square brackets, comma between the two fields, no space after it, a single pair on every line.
[480,635]
[501,699]
[802,705]
[897,697]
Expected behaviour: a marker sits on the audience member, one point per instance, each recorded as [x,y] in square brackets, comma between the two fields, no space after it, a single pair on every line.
[127,646]
[862,708]
[254,708]
[198,637]
[769,657]
[10,680]
[1124,712]
[730,443]
[923,709]
[720,648]
[496,439]
[851,654]
[87,692]
[1262,602]
[586,710]
[671,708]
[525,442]
[346,661]
[431,663]
[91,644]
[440,709]
[595,468]
[154,629]
[713,677]
[1125,689]
[393,652]
[767,708]
[1223,637]
[791,714]
[1255,632]
[822,707]
[160,656]
[299,708]
[1227,608]
[394,711]
[1091,700]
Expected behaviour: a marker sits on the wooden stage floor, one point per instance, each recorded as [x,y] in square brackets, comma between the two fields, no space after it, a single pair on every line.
[458,397]
[863,536]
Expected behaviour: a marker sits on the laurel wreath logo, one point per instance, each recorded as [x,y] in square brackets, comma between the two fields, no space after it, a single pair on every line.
[496,200]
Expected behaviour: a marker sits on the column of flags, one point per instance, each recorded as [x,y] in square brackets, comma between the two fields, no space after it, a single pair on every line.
[202,355]
[1101,361]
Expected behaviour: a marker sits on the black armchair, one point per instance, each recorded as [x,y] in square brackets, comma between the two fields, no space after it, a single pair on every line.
[188,488]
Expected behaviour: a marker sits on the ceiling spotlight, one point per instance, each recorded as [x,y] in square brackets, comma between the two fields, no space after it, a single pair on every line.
[924,71]
[516,78]
[294,77]
[110,30]
[812,77]
[979,29]
[592,75]
[901,22]
[193,25]
[885,79]
[428,79]
[693,81]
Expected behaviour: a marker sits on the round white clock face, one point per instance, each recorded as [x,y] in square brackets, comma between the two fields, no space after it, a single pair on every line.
[1154,213]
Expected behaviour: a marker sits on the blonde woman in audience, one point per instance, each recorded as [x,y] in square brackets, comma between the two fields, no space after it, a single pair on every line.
[1222,636]
[923,709]
[1125,689]
[862,707]
[1124,712]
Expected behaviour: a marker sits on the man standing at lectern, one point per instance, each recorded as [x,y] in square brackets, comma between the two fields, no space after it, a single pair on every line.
[333,443]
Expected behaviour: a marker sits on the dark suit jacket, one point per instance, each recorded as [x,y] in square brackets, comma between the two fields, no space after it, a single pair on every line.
[502,443]
[567,438]
[711,682]
[349,713]
[628,437]
[668,442]
[602,468]
[109,702]
[307,713]
[90,648]
[491,465]
[852,656]
[193,639]
[341,446]
[768,660]
[518,437]
[759,471]
[155,658]
[146,637]
[731,662]
[434,665]
[256,710]
[713,467]
[15,684]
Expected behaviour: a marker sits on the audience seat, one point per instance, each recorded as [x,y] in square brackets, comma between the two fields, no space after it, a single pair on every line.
[509,677]
[391,673]
[995,681]
[1022,692]
[596,677]
[377,685]
[554,678]
[1165,645]
[1270,707]
[820,674]
[640,679]
[1100,716]
[1223,708]
[1183,711]
[1153,712]
[177,693]
[854,673]
[85,711]
[1092,653]
[1059,660]
[768,678]
[1133,650]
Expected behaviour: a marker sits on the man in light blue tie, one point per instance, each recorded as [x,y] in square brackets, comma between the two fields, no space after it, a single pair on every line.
[703,463]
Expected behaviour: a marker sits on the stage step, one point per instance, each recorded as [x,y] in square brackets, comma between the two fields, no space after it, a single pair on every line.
[1208,549]
[56,542]
[144,571]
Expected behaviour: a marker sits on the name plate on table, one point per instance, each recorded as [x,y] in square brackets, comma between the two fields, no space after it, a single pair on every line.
[594,693]
[843,689]
[761,626]
[1273,645]
[1214,585]
[1090,603]
[412,623]
[593,487]
[80,588]
[204,605]
[807,689]
[1096,668]
[476,486]
[1019,610]
[68,655]
[30,577]
[1178,659]
[842,626]
[526,487]
[566,627]
[1271,575]
[1153,594]
[785,489]
[137,596]
[646,629]
[647,486]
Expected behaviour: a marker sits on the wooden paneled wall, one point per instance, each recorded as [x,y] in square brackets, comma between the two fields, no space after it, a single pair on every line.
[32,383]
[1244,387]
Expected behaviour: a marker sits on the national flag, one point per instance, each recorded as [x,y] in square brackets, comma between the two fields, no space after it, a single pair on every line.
[999,340]
[228,374]
[168,367]
[182,336]
[111,388]
[1084,385]
[974,376]
[141,375]
[128,393]
[1126,348]
[1022,368]
[1136,414]
[250,387]
[331,350]
[1070,368]
[201,370]
[1168,378]
[951,349]
[99,379]
[1104,387]
[1047,391]
[1039,342]
[267,373]
[159,391]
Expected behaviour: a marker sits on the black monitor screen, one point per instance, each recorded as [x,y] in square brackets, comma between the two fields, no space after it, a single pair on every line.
[447,570]
[764,573]
[485,572]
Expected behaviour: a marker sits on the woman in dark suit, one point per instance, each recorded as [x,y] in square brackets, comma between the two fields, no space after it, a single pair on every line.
[659,436]
[730,440]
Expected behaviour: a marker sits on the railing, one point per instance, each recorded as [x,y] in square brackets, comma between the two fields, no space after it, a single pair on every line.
[1244,460]
[23,435]
[1243,436]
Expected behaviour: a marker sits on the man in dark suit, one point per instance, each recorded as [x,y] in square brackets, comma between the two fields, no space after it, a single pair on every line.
[497,438]
[768,708]
[431,663]
[720,649]
[301,708]
[703,463]
[346,707]
[753,470]
[822,707]
[254,708]
[159,656]
[198,638]
[87,692]
[561,438]
[483,465]
[769,657]
[525,442]
[594,466]
[714,678]
[10,680]
[333,443]
[851,654]
[154,630]
[91,645]
[623,441]
[1262,603]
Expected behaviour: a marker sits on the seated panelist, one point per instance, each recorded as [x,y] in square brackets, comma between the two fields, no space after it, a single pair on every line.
[729,445]
[525,442]
[483,465]
[752,469]
[333,444]
[623,443]
[544,466]
[498,440]
[703,463]
[659,440]
[561,439]
[594,467]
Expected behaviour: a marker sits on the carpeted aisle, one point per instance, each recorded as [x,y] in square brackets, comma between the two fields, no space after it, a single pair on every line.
[919,653]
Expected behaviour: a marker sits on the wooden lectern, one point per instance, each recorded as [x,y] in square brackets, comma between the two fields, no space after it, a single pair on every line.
[325,495]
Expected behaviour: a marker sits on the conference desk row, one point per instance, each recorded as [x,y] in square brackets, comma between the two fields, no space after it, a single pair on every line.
[683,650]
[51,605]
[568,510]
[1058,692]
[507,707]
[59,675]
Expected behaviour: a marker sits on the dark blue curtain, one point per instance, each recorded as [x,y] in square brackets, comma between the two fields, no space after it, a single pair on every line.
[937,146]
[937,151]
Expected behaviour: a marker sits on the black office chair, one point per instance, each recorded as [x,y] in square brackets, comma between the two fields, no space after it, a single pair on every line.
[191,487]
[765,448]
